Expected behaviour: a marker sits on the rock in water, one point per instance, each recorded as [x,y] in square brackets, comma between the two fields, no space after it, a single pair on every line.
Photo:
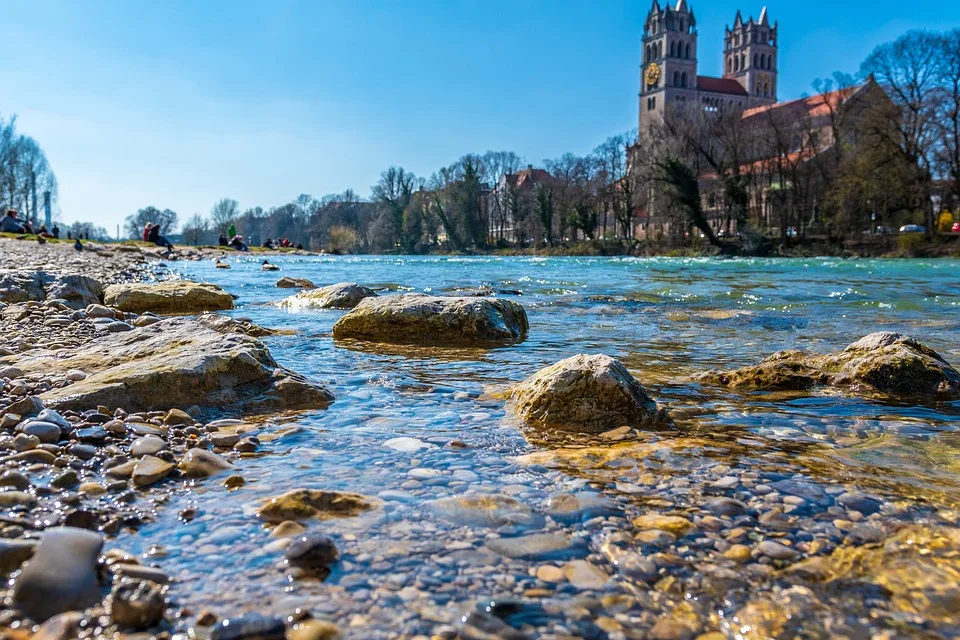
[200,463]
[301,504]
[176,362]
[136,605]
[175,296]
[311,551]
[150,470]
[434,320]
[250,626]
[343,295]
[588,394]
[287,282]
[887,362]
[61,576]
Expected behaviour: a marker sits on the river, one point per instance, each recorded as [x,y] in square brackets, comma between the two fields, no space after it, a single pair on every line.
[422,562]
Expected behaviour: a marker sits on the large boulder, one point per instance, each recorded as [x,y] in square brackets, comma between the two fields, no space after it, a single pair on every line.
[586,394]
[172,297]
[343,295]
[435,320]
[177,362]
[21,285]
[885,362]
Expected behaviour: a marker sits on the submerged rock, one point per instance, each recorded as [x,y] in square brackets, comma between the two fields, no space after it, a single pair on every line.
[434,320]
[343,295]
[62,576]
[486,510]
[302,504]
[250,626]
[176,362]
[588,394]
[311,550]
[886,362]
[175,296]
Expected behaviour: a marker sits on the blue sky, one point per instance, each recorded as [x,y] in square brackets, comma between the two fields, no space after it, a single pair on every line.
[176,104]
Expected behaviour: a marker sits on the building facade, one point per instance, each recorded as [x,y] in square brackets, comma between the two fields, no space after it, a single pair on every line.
[669,74]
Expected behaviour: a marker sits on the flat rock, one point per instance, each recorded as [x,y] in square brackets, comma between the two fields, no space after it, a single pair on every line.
[171,297]
[540,546]
[885,362]
[434,320]
[61,576]
[486,510]
[588,394]
[176,362]
[14,553]
[304,504]
[343,295]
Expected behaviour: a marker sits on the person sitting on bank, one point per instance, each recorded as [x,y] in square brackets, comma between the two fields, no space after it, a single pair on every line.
[55,231]
[237,243]
[10,223]
[268,244]
[159,240]
[222,241]
[77,244]
[147,228]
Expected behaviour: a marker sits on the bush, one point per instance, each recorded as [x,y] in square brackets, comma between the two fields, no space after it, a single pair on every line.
[341,239]
[910,244]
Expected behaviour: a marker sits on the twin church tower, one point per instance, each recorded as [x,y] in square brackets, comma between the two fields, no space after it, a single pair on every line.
[669,70]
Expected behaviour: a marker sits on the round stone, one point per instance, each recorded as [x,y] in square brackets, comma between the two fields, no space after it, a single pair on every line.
[311,551]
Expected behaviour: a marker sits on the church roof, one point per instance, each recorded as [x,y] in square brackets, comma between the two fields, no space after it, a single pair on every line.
[821,104]
[728,86]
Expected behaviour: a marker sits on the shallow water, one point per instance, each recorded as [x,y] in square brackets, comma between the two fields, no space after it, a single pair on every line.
[413,565]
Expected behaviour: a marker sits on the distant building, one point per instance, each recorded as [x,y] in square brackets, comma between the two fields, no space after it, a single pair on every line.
[669,73]
[513,203]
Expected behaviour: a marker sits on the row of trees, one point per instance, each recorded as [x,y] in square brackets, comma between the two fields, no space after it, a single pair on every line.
[474,203]
[875,152]
[25,173]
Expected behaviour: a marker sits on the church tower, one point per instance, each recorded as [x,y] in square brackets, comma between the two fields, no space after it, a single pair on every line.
[669,71]
[750,57]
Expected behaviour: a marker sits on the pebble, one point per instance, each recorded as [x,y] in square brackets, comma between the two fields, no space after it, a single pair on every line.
[147,446]
[584,575]
[776,550]
[250,626]
[137,604]
[150,470]
[311,550]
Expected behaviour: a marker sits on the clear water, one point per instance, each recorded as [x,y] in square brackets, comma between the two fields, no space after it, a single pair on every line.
[407,568]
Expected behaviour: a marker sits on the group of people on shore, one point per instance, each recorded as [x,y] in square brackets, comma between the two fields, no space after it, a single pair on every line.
[286,243]
[11,223]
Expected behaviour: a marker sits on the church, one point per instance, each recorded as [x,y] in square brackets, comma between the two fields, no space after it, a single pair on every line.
[669,75]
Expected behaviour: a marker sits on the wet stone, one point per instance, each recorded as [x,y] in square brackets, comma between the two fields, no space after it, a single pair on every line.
[540,546]
[311,551]
[250,626]
[147,445]
[44,431]
[61,576]
[92,435]
[137,604]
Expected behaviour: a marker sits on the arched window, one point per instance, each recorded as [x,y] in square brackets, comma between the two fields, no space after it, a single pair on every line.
[683,80]
[756,61]
[688,51]
[660,49]
[729,65]
[676,78]
[681,25]
[673,49]
[743,61]
[736,63]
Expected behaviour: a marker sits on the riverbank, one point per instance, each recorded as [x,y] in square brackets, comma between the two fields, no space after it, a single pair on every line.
[422,505]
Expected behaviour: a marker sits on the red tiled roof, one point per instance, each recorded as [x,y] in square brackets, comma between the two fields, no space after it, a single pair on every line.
[720,85]
[814,106]
[528,177]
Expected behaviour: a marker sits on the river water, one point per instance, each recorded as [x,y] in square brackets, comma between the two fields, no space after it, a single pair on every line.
[426,559]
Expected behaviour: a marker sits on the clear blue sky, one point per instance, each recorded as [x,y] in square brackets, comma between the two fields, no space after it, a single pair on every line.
[176,104]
